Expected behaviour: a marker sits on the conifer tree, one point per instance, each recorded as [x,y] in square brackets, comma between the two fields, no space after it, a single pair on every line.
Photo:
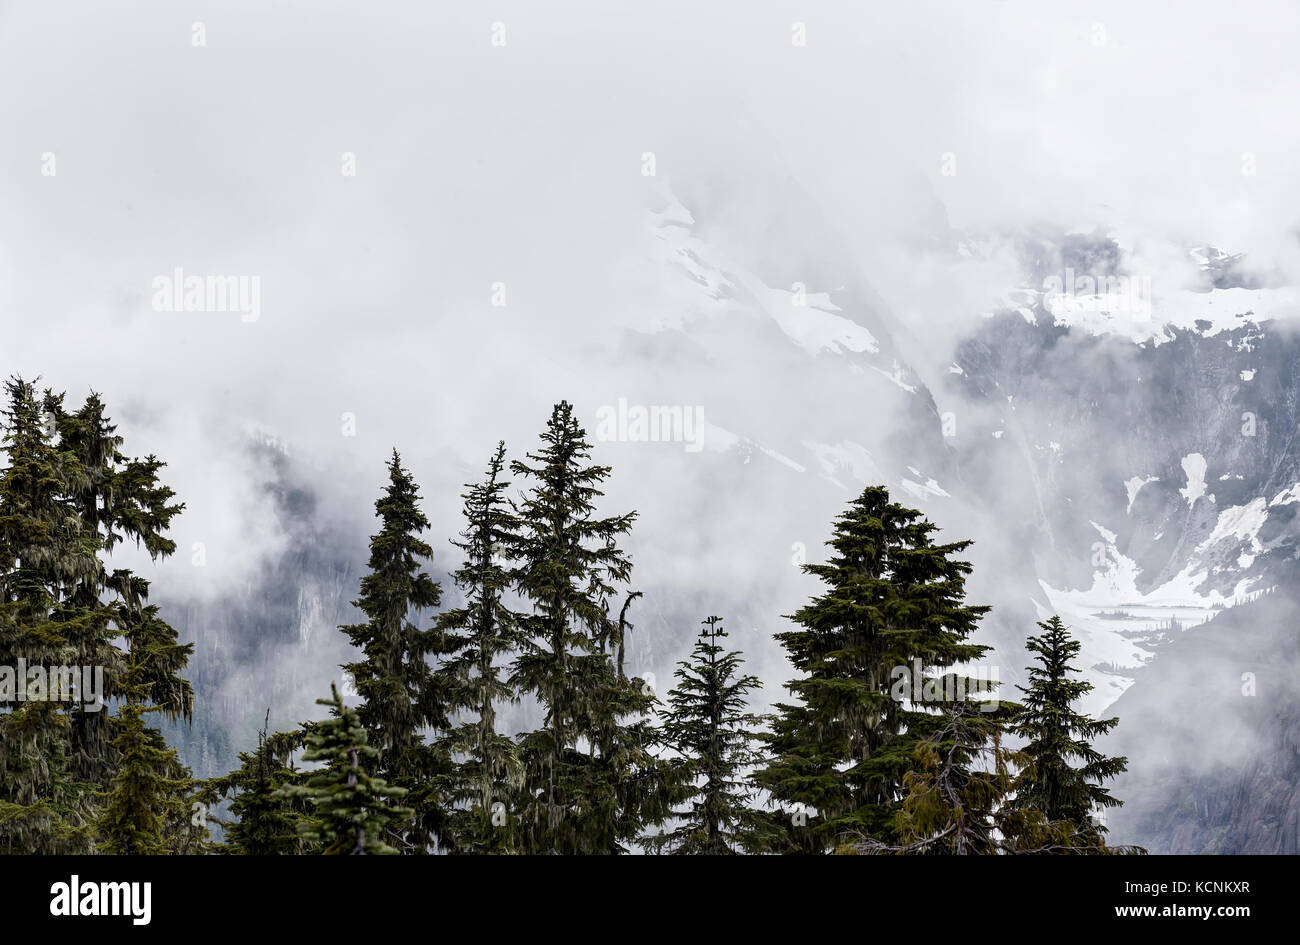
[402,693]
[1062,774]
[44,806]
[893,601]
[593,783]
[955,790]
[958,797]
[148,798]
[116,499]
[266,819]
[480,634]
[70,497]
[351,810]
[708,723]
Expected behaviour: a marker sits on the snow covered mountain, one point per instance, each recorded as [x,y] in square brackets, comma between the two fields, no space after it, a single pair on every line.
[1156,452]
[1120,456]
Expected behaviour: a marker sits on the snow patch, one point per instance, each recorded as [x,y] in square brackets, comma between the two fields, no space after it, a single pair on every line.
[815,326]
[896,375]
[718,440]
[1241,522]
[1134,486]
[833,459]
[1114,588]
[1194,466]
[1287,496]
[922,490]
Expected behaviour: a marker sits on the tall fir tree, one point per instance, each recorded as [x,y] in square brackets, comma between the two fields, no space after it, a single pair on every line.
[593,782]
[707,721]
[480,636]
[118,499]
[1062,774]
[44,547]
[404,697]
[351,810]
[838,752]
[72,497]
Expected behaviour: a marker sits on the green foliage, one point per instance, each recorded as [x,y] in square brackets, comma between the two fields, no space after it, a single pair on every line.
[266,820]
[44,808]
[116,499]
[480,636]
[420,764]
[351,811]
[1062,772]
[1031,801]
[149,796]
[957,798]
[707,722]
[143,799]
[842,749]
[593,784]
[955,789]
[68,496]
[402,694]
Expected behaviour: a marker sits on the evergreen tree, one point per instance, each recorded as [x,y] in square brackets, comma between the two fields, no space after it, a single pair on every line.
[351,810]
[44,806]
[116,499]
[401,692]
[954,793]
[69,497]
[266,820]
[149,796]
[958,797]
[593,784]
[893,603]
[708,724]
[1063,774]
[481,633]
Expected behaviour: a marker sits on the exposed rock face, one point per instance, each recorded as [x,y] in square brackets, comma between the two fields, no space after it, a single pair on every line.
[273,645]
[1211,729]
[1149,476]
[1152,442]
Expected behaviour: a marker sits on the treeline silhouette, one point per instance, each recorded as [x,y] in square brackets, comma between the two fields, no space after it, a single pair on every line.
[854,761]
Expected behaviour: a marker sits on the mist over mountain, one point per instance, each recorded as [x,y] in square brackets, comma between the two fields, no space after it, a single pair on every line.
[942,250]
[1138,488]
[1211,723]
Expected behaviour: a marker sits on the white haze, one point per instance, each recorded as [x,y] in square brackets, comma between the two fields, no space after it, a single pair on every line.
[522,164]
